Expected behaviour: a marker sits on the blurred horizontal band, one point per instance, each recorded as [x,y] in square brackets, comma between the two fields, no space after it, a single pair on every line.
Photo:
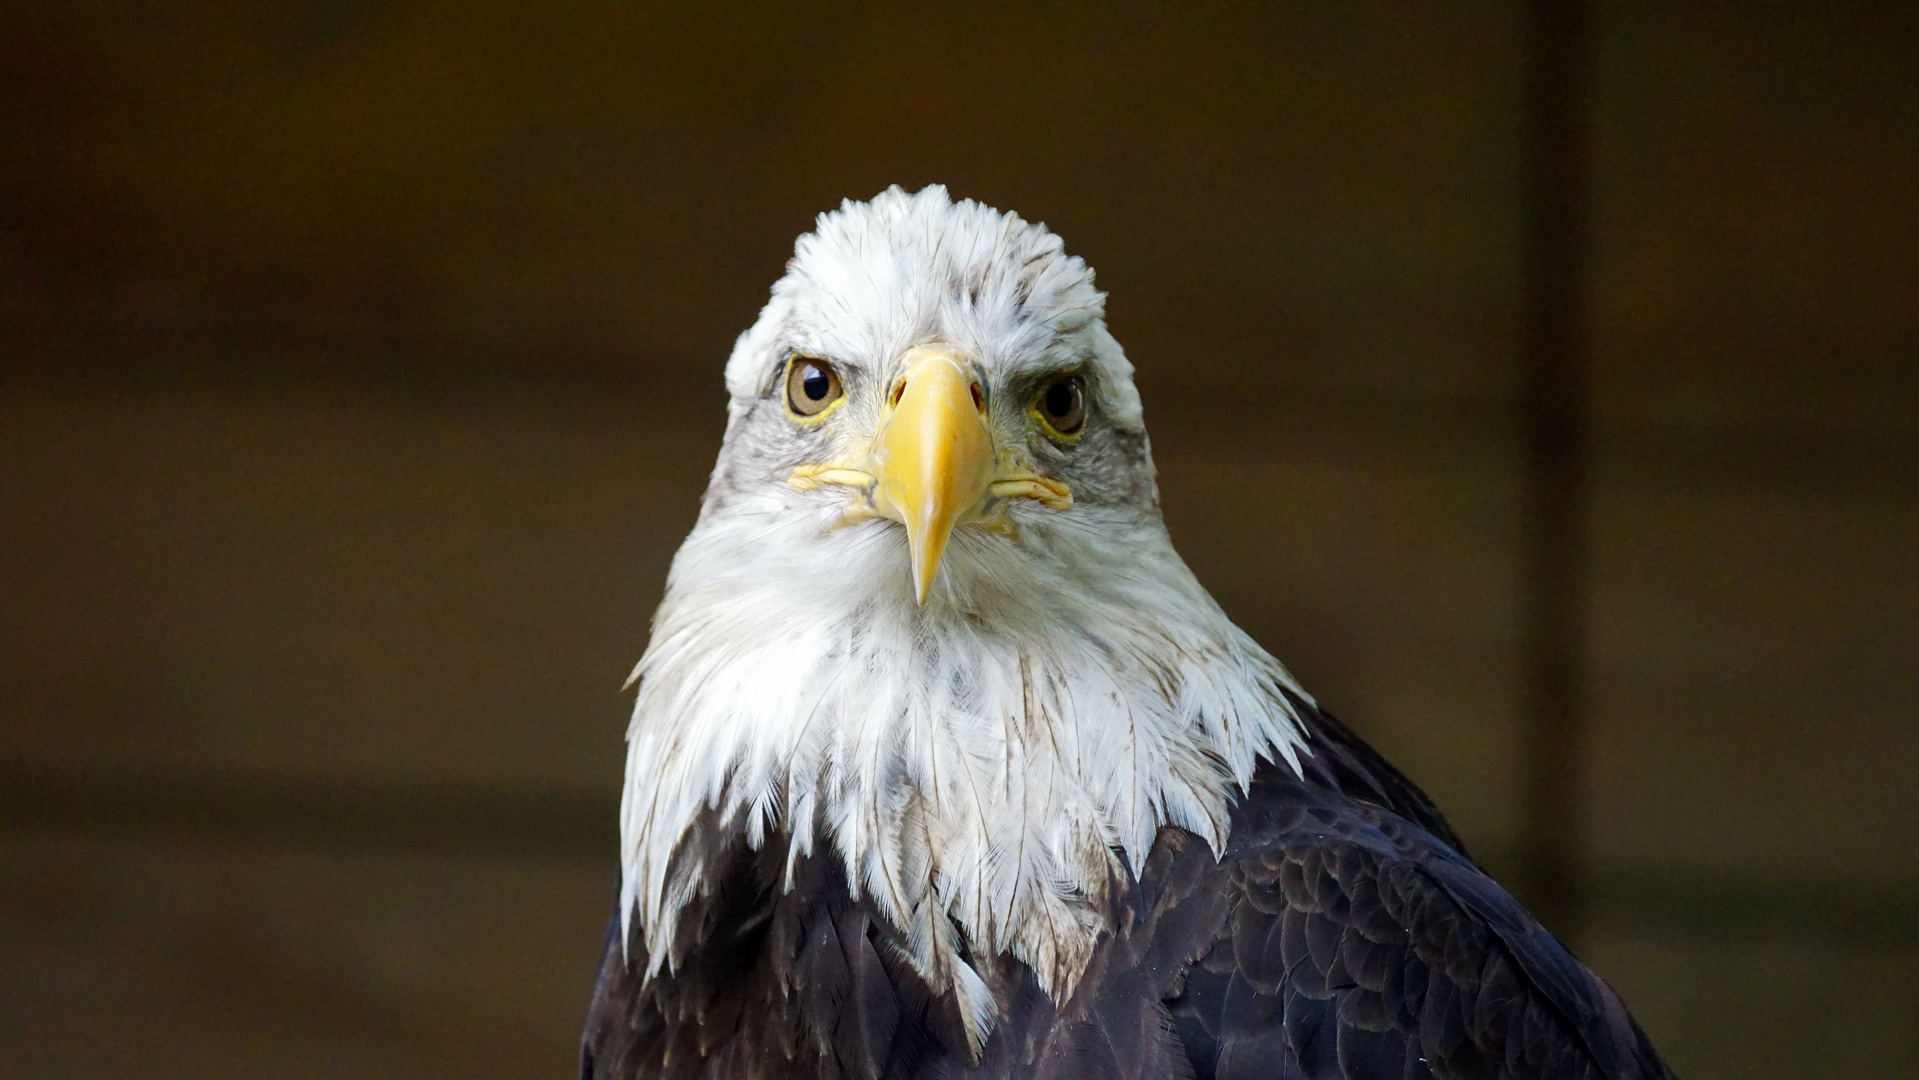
[371,817]
[338,815]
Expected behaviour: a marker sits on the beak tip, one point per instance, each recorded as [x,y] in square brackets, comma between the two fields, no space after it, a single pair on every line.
[923,580]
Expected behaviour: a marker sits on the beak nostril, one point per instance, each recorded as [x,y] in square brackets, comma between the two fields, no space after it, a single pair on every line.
[899,391]
[979,399]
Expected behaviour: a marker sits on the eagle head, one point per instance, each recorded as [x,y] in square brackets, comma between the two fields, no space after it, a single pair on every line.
[943,372]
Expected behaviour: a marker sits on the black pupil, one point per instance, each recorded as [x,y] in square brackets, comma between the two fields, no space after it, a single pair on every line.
[1059,399]
[814,383]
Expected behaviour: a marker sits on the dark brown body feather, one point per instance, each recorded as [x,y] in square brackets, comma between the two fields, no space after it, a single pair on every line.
[1342,934]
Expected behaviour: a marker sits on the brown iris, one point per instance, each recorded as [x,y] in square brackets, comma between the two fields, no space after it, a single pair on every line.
[1062,405]
[812,386]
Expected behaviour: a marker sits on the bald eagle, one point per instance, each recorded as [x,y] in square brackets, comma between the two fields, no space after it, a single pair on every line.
[943,764]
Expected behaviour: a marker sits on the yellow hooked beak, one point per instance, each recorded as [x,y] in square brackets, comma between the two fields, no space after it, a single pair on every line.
[933,457]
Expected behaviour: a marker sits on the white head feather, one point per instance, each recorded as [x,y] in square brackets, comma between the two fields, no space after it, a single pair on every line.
[984,762]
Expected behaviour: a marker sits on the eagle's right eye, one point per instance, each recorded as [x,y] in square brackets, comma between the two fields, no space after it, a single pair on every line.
[812,386]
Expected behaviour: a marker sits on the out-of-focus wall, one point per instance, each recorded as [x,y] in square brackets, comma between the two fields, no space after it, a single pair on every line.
[362,372]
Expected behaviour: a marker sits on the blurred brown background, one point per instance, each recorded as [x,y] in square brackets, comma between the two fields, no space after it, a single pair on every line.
[362,369]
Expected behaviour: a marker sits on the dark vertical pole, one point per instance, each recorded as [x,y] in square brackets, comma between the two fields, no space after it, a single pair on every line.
[1553,518]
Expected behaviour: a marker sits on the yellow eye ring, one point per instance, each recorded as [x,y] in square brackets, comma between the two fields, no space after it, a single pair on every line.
[812,389]
[1061,407]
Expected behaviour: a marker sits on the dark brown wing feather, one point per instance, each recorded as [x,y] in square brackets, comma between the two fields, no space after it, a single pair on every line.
[1342,934]
[1360,946]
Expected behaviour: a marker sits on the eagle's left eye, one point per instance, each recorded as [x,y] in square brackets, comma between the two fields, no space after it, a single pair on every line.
[1062,405]
[811,386]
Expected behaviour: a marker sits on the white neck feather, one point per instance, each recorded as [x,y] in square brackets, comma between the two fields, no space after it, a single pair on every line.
[983,764]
